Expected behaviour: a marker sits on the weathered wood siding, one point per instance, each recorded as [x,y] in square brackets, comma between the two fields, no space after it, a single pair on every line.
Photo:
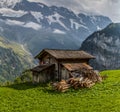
[35,77]
[44,76]
[47,59]
[64,74]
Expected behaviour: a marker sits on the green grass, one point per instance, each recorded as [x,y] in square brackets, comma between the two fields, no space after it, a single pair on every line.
[103,97]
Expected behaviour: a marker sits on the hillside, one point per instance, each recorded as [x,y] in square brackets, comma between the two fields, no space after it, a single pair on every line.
[103,97]
[105,46]
[13,59]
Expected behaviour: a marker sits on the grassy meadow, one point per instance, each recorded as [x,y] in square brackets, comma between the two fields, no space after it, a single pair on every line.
[103,97]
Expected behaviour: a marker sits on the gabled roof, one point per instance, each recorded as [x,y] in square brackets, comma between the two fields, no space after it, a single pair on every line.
[76,66]
[65,54]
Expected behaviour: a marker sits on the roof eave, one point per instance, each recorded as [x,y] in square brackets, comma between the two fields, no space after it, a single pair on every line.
[39,54]
[75,58]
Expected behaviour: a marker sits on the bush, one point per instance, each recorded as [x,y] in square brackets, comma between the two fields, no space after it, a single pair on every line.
[26,76]
[17,80]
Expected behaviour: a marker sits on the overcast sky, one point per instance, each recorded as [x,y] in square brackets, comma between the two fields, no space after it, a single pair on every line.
[110,8]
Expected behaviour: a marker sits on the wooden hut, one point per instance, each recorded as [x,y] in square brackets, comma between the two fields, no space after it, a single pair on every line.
[55,65]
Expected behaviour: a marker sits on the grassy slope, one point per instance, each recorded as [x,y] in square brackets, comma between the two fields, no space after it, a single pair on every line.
[18,54]
[104,97]
[17,48]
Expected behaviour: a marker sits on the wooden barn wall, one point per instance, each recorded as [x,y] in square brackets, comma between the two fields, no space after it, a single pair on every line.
[35,77]
[44,76]
[47,59]
[64,73]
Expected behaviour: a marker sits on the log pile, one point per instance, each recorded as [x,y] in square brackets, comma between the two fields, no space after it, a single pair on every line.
[78,83]
[61,86]
[88,79]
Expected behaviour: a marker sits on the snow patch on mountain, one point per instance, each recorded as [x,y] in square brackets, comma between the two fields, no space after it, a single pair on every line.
[37,15]
[11,13]
[32,25]
[93,18]
[14,22]
[58,31]
[8,3]
[75,25]
[98,28]
[56,19]
[41,5]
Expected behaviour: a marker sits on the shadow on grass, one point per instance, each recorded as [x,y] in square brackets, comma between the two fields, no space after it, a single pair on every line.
[46,88]
[25,86]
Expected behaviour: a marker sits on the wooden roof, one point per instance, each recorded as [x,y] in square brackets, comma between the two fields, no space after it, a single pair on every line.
[41,67]
[65,54]
[76,66]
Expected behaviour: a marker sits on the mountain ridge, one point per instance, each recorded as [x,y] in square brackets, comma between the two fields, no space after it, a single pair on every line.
[105,46]
[37,18]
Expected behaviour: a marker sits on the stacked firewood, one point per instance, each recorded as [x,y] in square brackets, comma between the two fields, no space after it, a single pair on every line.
[61,86]
[77,83]
[88,79]
[91,75]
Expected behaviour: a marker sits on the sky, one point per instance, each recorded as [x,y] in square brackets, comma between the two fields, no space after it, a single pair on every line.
[110,8]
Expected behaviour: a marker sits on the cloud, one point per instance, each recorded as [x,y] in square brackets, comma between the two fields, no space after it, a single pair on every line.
[110,8]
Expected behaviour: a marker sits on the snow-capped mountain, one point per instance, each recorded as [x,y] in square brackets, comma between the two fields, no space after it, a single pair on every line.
[40,26]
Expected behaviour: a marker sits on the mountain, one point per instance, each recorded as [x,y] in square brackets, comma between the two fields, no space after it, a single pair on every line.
[13,59]
[28,27]
[105,46]
[39,26]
